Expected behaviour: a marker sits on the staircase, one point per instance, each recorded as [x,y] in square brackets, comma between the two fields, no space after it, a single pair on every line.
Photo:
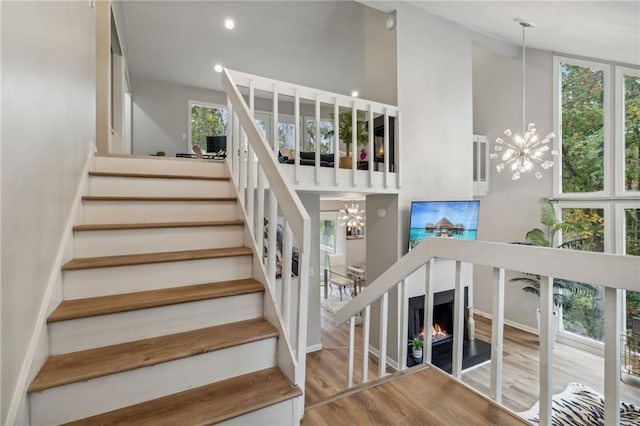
[162,321]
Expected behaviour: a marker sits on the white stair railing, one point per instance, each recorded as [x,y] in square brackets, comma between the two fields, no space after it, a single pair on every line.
[318,103]
[614,272]
[254,171]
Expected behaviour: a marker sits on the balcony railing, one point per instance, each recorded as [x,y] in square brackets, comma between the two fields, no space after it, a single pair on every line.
[614,272]
[376,173]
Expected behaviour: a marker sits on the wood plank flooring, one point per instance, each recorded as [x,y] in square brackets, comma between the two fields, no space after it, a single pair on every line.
[92,306]
[520,370]
[426,397]
[157,176]
[153,198]
[204,405]
[327,369]
[91,363]
[147,258]
[155,225]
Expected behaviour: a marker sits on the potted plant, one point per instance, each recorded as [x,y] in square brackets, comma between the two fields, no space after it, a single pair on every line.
[563,290]
[416,347]
[345,126]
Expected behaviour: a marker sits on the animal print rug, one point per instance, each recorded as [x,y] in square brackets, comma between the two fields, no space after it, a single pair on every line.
[579,405]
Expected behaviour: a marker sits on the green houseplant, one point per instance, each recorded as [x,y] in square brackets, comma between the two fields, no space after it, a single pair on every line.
[416,347]
[345,133]
[563,289]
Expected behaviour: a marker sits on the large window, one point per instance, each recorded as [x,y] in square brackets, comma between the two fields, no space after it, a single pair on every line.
[326,138]
[583,128]
[631,130]
[583,314]
[590,181]
[205,120]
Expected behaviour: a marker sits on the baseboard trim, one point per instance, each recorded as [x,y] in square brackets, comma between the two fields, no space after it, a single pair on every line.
[508,322]
[35,348]
[314,348]
[390,361]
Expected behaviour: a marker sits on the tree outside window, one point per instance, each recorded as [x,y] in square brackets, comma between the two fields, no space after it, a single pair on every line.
[582,129]
[207,121]
[632,132]
[326,138]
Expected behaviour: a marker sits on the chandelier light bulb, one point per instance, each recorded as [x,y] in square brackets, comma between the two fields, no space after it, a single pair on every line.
[352,216]
[523,153]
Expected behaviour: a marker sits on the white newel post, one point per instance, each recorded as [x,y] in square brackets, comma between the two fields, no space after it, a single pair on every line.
[612,331]
[546,349]
[497,334]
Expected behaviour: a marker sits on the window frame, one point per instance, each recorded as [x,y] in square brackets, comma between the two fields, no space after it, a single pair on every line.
[190,104]
[619,110]
[586,343]
[607,125]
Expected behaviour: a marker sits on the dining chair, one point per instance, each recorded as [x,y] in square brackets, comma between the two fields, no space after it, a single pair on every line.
[335,279]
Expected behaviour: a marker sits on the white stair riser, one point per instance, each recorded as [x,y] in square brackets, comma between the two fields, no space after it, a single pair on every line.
[154,240]
[102,185]
[83,399]
[155,165]
[104,330]
[282,413]
[128,279]
[96,212]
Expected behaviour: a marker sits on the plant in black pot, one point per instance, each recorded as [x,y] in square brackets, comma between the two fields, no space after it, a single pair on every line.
[564,291]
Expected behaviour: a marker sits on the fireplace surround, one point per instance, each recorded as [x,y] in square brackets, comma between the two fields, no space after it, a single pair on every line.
[475,351]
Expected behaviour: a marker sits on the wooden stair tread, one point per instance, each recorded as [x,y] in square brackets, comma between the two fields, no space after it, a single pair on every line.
[147,258]
[157,176]
[119,226]
[103,305]
[88,364]
[145,198]
[205,405]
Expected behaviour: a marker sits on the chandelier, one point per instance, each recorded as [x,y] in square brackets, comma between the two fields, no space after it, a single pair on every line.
[352,216]
[523,153]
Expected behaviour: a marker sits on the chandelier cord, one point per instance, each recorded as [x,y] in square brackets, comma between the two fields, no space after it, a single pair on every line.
[524,81]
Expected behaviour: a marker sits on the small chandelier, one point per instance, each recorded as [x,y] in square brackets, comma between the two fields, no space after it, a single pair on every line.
[523,153]
[352,217]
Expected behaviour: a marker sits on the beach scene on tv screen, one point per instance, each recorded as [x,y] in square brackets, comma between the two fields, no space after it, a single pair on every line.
[444,219]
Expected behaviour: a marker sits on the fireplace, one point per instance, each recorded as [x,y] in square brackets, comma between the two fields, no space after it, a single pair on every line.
[474,351]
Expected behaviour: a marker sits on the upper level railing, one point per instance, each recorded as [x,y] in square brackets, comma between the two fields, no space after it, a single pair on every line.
[380,170]
[614,272]
[255,172]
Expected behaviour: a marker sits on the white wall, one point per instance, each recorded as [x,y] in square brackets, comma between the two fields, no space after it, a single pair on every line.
[160,114]
[434,97]
[511,208]
[354,250]
[311,202]
[380,72]
[48,126]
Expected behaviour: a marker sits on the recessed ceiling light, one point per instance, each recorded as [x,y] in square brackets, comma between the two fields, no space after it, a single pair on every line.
[218,68]
[229,24]
[355,93]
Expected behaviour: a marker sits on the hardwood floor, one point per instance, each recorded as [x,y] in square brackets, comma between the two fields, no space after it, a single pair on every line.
[327,371]
[425,397]
[520,370]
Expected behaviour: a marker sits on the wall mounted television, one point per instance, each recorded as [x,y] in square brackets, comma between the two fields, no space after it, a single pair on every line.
[444,219]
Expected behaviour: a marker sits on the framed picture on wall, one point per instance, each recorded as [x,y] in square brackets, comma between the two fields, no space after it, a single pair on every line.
[355,233]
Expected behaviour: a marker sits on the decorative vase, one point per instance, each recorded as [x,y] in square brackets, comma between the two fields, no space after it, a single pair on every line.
[471,325]
[417,353]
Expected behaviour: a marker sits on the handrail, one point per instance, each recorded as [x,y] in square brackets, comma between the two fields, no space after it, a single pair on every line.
[288,201]
[382,173]
[614,272]
[290,89]
[610,270]
[251,179]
